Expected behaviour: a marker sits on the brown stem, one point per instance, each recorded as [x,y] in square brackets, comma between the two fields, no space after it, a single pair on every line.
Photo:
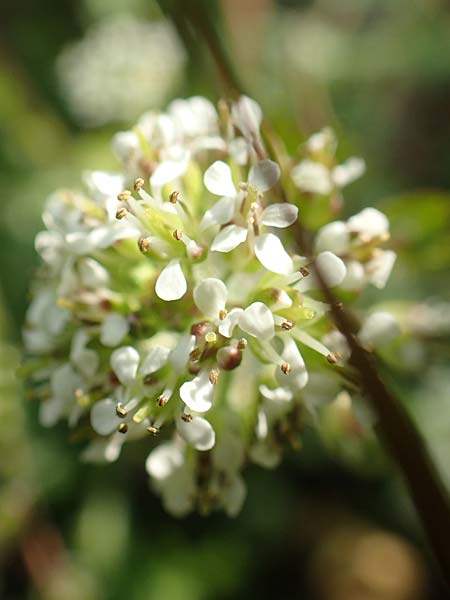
[395,427]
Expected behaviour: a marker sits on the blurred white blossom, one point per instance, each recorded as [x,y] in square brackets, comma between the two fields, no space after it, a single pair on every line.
[122,66]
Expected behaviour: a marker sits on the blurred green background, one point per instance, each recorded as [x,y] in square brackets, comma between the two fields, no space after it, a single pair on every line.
[334,522]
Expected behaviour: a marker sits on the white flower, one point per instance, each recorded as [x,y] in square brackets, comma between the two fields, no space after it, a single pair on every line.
[97,72]
[369,223]
[311,176]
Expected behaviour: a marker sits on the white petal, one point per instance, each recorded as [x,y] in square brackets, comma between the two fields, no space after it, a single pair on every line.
[125,144]
[164,460]
[227,326]
[298,375]
[281,214]
[229,238]
[218,180]
[334,236]
[154,360]
[198,393]
[104,184]
[113,329]
[103,450]
[51,411]
[264,175]
[271,254]
[124,362]
[93,274]
[233,496]
[219,214]
[210,296]
[265,455]
[257,320]
[171,283]
[378,329]
[168,171]
[198,433]
[350,170]
[311,176]
[104,419]
[180,354]
[355,277]
[247,116]
[279,394]
[331,268]
[380,267]
[239,150]
[369,223]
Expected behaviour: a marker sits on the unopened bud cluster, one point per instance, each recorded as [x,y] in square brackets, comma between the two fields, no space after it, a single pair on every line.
[172,303]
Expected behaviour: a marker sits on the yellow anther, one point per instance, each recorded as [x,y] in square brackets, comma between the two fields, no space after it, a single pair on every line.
[153,430]
[121,410]
[138,183]
[242,344]
[287,325]
[124,196]
[174,196]
[214,376]
[285,368]
[144,245]
[211,337]
[121,213]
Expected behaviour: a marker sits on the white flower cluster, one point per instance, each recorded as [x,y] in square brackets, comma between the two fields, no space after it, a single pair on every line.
[172,303]
[107,75]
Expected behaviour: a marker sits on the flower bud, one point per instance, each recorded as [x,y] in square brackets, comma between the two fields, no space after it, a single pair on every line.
[228,358]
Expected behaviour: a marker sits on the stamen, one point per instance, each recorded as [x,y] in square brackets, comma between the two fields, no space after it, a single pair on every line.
[308,340]
[153,430]
[242,344]
[214,376]
[187,417]
[173,198]
[211,337]
[178,234]
[123,428]
[222,314]
[121,411]
[121,213]
[332,358]
[304,271]
[144,245]
[124,196]
[138,184]
[285,368]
